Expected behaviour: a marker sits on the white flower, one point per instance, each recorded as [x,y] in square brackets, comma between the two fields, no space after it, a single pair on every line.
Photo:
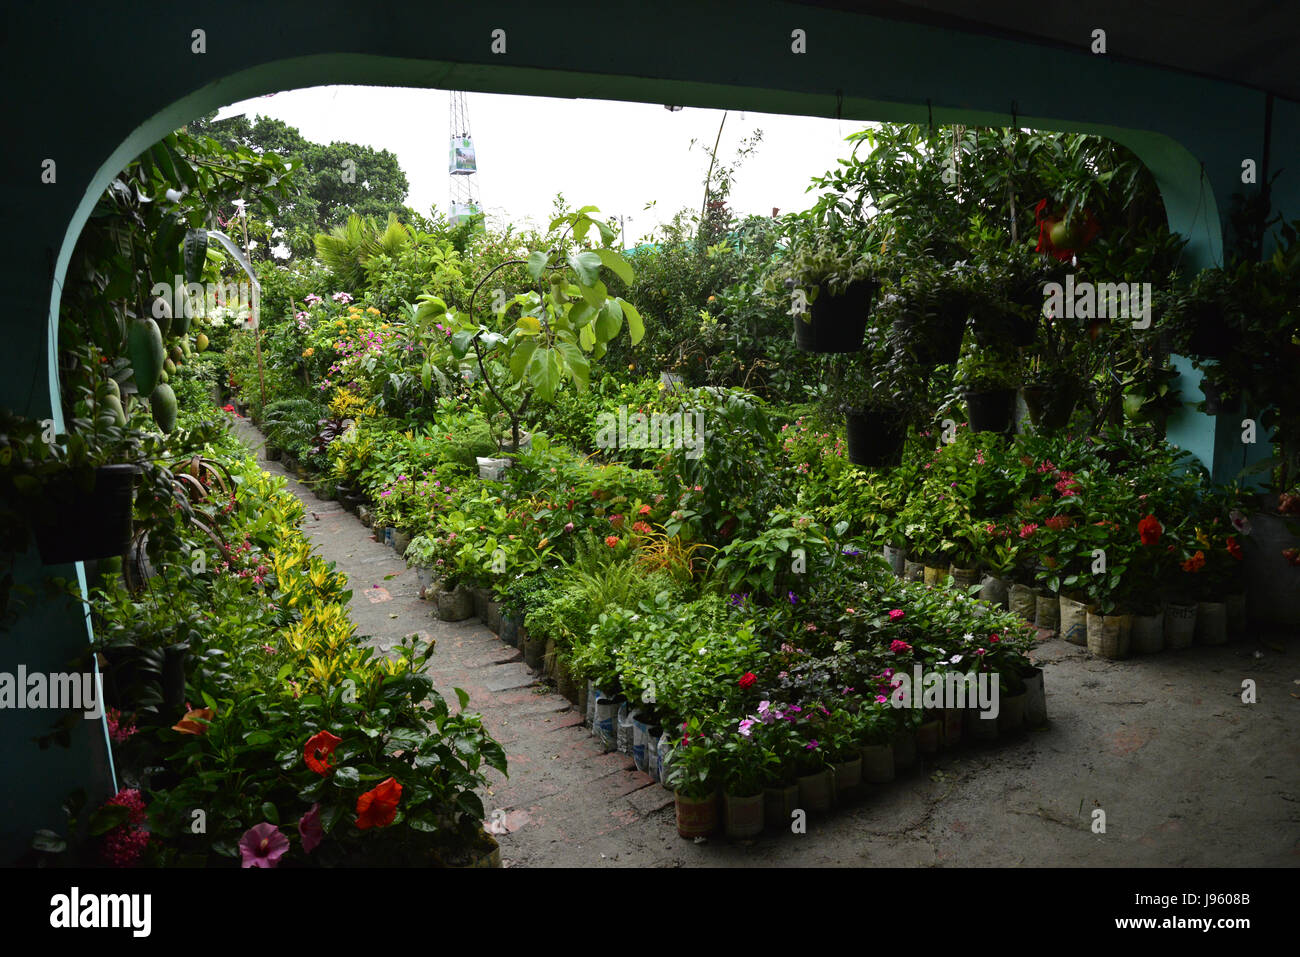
[955,660]
[968,637]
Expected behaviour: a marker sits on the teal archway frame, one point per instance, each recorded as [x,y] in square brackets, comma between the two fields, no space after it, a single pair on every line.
[1193,133]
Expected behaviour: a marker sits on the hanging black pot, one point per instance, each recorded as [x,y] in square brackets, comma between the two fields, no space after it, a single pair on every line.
[836,322]
[991,411]
[876,437]
[937,341]
[1210,337]
[175,657]
[75,524]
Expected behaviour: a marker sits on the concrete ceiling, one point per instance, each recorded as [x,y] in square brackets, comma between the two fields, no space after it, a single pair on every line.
[1254,43]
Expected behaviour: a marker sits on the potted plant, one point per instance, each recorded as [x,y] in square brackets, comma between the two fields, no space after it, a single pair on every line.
[831,289]
[693,778]
[926,310]
[987,377]
[73,493]
[744,765]
[878,390]
[876,733]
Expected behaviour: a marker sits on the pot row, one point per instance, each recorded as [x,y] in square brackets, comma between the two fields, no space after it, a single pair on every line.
[1175,625]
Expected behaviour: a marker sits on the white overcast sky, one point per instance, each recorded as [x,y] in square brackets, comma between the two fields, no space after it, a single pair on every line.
[613,155]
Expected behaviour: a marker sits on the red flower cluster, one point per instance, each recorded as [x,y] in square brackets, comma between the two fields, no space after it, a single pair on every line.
[378,806]
[318,750]
[1195,563]
[747,679]
[1150,530]
[1059,522]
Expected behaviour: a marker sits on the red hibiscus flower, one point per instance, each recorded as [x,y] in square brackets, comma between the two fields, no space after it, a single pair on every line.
[378,807]
[318,750]
[1292,555]
[1150,530]
[747,679]
[1234,548]
[1195,563]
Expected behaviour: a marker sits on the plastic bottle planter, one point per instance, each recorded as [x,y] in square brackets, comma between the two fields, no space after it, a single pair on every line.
[1047,612]
[1023,601]
[815,790]
[936,574]
[549,655]
[455,605]
[904,745]
[1148,634]
[492,469]
[534,649]
[779,804]
[1035,700]
[364,515]
[1073,620]
[952,722]
[583,689]
[1011,713]
[74,524]
[565,685]
[626,730]
[606,725]
[896,558]
[652,736]
[493,616]
[743,815]
[979,728]
[1211,623]
[994,591]
[913,571]
[963,578]
[593,695]
[509,632]
[641,741]
[400,541]
[927,736]
[664,750]
[878,762]
[1237,621]
[696,817]
[1109,636]
[848,776]
[835,323]
[1180,626]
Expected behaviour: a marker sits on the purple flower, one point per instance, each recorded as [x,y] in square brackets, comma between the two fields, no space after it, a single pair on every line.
[794,599]
[851,552]
[309,829]
[811,745]
[746,726]
[262,846]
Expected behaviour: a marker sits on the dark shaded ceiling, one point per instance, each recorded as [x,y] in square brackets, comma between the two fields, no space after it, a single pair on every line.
[1254,43]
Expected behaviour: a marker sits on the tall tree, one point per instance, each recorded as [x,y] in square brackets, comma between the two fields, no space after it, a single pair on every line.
[340,179]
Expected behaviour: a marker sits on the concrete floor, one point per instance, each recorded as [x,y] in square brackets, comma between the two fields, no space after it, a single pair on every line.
[1187,774]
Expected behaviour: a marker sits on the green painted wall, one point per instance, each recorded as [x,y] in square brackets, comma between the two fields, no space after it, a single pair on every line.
[90,91]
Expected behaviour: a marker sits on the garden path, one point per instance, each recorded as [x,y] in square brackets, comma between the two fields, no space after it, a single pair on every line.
[1187,773]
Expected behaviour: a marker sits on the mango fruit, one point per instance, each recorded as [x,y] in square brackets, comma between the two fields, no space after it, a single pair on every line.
[201,343]
[162,402]
[145,347]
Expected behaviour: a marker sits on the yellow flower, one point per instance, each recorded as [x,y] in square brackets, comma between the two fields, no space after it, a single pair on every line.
[308,352]
[372,309]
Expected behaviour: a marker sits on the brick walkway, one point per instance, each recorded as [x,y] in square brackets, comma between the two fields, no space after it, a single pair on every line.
[1187,773]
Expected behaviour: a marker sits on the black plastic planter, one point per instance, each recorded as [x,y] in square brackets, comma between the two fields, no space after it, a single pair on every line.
[876,438]
[76,525]
[991,411]
[836,323]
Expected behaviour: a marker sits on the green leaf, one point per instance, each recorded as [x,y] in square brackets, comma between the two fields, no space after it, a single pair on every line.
[196,253]
[347,777]
[462,696]
[635,327]
[610,320]
[596,295]
[544,373]
[270,813]
[49,841]
[460,342]
[536,263]
[521,356]
[586,265]
[108,817]
[579,368]
[581,313]
[587,337]
[616,264]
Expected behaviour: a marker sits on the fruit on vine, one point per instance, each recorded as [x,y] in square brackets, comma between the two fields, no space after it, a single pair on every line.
[113,405]
[169,367]
[144,345]
[201,342]
[162,313]
[1065,237]
[162,402]
[176,354]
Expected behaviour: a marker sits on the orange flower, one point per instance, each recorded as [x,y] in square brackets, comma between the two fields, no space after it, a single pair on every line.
[1195,563]
[1234,548]
[190,724]
[318,750]
[611,540]
[378,807]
